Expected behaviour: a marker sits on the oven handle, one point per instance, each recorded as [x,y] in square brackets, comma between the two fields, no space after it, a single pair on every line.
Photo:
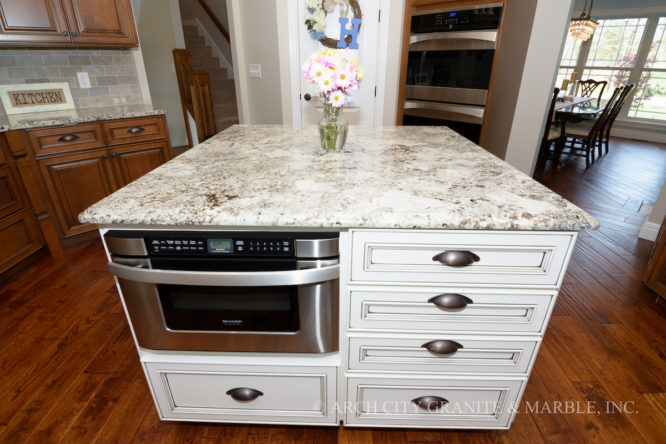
[485,39]
[226,278]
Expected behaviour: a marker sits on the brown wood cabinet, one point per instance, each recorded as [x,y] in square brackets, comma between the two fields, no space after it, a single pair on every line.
[19,237]
[67,23]
[655,277]
[68,168]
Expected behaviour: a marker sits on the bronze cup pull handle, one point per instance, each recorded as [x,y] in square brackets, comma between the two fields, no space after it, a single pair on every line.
[456,258]
[67,137]
[451,301]
[136,130]
[244,394]
[442,347]
[430,403]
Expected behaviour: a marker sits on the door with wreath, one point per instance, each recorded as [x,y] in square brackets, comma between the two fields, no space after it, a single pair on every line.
[326,35]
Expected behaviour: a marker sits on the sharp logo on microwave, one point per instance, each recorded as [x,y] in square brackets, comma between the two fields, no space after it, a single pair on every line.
[232,321]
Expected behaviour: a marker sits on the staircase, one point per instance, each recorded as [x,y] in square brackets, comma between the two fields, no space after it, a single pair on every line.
[223,89]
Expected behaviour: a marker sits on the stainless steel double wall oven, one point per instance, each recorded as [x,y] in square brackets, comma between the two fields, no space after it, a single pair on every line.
[229,291]
[451,54]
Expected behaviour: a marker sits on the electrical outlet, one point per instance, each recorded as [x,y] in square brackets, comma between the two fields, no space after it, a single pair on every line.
[84,79]
[255,70]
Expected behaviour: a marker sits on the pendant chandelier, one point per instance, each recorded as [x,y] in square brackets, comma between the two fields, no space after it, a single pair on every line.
[583,27]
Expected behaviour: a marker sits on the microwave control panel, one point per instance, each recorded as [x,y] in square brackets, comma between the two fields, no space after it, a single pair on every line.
[218,246]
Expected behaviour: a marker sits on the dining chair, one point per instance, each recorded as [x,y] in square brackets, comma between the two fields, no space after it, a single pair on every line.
[552,131]
[619,104]
[585,136]
[586,88]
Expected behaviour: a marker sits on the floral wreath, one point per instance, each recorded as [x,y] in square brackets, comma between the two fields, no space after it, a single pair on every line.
[315,18]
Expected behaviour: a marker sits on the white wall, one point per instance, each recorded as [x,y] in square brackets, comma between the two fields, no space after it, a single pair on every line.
[253,25]
[160,30]
[549,28]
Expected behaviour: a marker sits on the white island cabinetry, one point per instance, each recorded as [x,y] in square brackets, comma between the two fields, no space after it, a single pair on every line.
[458,340]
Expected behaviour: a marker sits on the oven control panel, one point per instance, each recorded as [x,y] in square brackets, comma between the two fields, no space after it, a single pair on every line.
[459,20]
[208,246]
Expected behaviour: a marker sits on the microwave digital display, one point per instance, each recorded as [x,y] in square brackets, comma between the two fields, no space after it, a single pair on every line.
[220,246]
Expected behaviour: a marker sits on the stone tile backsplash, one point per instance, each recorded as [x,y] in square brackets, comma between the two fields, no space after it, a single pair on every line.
[112,73]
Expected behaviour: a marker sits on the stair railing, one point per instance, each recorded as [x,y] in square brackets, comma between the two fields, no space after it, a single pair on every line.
[195,97]
[217,23]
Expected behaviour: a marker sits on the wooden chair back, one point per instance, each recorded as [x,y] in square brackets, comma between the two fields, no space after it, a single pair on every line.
[600,123]
[195,97]
[619,104]
[586,88]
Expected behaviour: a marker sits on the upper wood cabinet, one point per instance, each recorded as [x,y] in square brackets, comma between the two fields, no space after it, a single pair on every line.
[67,23]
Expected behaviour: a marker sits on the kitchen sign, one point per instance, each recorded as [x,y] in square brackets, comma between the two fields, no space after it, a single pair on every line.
[36,97]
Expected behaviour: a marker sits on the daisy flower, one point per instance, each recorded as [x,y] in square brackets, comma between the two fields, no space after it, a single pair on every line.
[337,99]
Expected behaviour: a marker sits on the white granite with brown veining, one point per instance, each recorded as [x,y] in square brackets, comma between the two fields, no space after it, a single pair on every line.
[74,116]
[390,177]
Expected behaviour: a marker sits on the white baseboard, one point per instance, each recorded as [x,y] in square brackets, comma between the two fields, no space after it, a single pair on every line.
[649,231]
[224,63]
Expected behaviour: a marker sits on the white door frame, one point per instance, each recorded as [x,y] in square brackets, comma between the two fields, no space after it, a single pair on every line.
[381,68]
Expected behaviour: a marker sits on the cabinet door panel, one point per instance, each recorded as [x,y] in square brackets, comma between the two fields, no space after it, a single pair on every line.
[102,22]
[32,21]
[18,237]
[10,199]
[134,161]
[75,182]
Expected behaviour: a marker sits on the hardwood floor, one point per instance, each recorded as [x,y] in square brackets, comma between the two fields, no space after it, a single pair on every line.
[70,371]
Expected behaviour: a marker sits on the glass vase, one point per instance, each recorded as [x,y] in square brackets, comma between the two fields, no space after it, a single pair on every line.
[333,128]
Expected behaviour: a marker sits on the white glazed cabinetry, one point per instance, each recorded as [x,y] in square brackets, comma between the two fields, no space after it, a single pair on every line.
[388,285]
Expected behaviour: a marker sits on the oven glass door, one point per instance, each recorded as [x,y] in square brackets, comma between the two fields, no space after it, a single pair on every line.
[469,69]
[204,308]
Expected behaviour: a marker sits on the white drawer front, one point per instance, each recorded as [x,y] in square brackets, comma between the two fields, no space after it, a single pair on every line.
[289,395]
[505,258]
[471,403]
[491,310]
[409,354]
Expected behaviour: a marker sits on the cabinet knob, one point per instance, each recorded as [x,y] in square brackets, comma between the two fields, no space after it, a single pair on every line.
[106,156]
[456,258]
[65,34]
[451,301]
[75,34]
[244,394]
[114,155]
[67,137]
[135,130]
[442,347]
[430,403]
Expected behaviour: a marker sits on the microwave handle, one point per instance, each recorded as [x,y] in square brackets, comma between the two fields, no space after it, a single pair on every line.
[226,278]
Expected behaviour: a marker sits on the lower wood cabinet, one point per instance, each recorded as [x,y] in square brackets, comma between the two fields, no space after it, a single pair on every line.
[132,162]
[68,168]
[75,182]
[19,238]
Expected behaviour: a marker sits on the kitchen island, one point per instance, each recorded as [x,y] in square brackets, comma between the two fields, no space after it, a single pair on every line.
[450,264]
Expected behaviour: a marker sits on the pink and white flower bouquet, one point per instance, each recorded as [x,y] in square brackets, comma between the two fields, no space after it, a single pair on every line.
[334,76]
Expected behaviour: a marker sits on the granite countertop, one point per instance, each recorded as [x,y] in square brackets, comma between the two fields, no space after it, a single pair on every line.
[73,116]
[388,177]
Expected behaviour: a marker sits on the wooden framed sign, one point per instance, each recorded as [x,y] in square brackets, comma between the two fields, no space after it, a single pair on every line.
[35,97]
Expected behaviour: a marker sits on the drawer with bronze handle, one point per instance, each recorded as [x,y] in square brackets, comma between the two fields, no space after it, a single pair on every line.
[65,139]
[123,131]
[410,310]
[456,402]
[460,257]
[441,353]
[241,393]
